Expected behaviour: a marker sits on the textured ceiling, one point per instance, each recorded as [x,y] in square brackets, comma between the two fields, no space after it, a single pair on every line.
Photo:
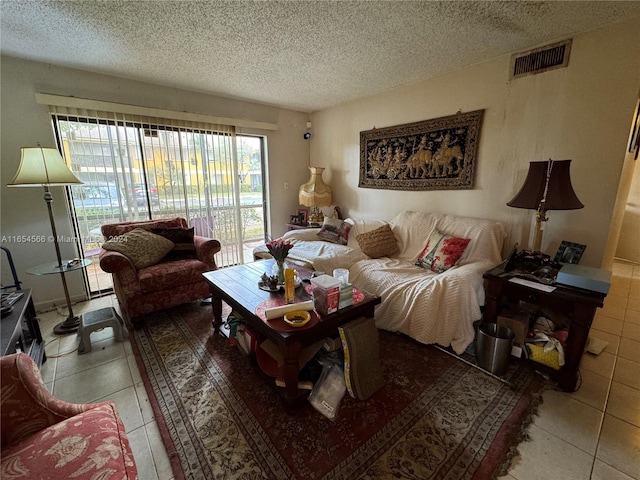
[304,55]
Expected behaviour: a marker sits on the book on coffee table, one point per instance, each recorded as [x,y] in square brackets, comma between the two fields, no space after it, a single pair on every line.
[362,370]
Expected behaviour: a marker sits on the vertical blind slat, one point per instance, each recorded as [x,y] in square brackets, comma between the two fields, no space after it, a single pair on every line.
[131,157]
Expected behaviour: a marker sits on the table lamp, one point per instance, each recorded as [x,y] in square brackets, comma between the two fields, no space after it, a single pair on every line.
[44,167]
[547,187]
[315,193]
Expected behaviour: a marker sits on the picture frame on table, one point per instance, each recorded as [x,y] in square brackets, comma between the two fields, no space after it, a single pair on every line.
[303,215]
[569,252]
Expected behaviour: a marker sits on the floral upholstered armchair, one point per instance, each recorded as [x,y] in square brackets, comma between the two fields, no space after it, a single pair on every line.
[45,437]
[156,264]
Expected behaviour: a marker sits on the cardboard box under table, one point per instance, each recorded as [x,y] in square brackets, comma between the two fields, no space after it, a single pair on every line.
[271,361]
[518,322]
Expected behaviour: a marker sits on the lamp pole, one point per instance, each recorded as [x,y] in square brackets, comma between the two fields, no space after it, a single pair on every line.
[70,325]
[541,218]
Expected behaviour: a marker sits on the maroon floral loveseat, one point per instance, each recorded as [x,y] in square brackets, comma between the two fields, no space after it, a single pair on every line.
[173,280]
[45,437]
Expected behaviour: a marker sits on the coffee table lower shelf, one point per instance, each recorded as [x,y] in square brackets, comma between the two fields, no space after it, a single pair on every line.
[290,404]
[238,287]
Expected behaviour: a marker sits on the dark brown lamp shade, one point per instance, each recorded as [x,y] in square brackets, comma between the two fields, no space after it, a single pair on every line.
[559,195]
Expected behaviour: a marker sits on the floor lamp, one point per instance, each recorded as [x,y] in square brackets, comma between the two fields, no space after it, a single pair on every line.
[547,187]
[44,167]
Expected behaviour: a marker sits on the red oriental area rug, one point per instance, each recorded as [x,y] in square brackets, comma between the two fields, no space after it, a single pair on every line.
[435,417]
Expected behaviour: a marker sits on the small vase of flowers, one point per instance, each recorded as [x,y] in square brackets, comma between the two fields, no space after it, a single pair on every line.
[279,249]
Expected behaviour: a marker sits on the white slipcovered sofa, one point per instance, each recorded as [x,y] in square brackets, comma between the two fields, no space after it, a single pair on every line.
[430,307]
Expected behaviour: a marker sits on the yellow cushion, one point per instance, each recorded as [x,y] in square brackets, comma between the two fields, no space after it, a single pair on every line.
[550,358]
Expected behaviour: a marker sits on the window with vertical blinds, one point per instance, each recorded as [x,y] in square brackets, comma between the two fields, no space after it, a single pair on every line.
[137,168]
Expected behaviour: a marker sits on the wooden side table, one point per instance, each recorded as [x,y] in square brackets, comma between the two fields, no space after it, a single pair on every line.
[577,304]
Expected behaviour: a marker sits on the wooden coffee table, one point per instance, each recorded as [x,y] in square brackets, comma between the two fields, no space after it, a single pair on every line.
[238,287]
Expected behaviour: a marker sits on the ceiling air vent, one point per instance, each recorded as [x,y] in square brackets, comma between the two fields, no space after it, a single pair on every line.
[541,59]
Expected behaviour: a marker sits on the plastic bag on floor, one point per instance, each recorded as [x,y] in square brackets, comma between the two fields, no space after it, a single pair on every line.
[328,391]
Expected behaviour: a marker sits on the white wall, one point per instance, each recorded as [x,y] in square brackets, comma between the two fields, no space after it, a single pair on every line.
[24,123]
[629,244]
[582,113]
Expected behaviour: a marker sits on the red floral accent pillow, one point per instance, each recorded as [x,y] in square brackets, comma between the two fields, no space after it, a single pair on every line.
[441,252]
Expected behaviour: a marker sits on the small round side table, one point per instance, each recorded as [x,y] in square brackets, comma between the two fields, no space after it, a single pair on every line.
[70,325]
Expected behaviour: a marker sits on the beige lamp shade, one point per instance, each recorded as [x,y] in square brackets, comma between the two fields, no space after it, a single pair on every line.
[315,193]
[42,166]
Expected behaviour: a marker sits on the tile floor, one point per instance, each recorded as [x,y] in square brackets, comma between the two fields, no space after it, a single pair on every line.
[591,434]
[594,433]
[108,372]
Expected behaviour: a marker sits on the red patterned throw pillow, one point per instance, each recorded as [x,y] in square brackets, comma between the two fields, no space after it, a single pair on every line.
[181,237]
[441,252]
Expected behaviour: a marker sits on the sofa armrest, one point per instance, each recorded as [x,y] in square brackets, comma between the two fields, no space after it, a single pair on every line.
[475,267]
[115,262]
[468,275]
[206,249]
[27,405]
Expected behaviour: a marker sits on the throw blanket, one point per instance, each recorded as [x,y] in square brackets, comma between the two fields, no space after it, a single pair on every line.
[429,307]
[454,299]
[311,251]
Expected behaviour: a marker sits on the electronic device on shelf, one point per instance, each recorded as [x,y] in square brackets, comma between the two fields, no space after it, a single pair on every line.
[530,265]
[511,259]
[9,298]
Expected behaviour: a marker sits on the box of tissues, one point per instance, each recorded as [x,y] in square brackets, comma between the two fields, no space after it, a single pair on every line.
[326,294]
[346,295]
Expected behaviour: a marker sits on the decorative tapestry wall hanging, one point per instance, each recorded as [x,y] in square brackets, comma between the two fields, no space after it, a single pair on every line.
[435,154]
